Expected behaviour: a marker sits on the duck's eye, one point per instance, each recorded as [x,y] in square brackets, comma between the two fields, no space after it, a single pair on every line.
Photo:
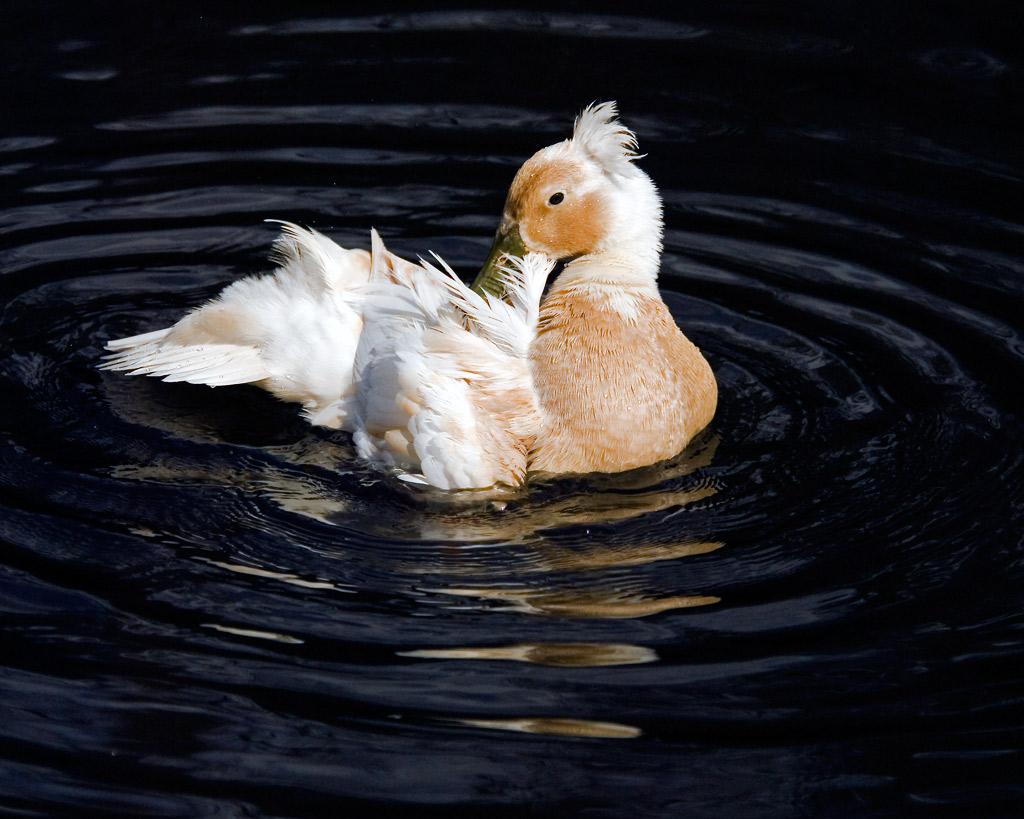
[556,198]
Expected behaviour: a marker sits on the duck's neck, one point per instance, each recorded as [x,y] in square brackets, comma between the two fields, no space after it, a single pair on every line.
[610,268]
[618,275]
[629,255]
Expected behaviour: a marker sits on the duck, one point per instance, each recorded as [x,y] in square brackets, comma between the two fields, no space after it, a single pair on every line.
[472,387]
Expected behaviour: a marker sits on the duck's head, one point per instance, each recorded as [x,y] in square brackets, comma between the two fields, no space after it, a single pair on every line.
[580,197]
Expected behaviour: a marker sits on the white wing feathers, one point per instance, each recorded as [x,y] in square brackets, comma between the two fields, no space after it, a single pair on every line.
[428,375]
[218,365]
[443,387]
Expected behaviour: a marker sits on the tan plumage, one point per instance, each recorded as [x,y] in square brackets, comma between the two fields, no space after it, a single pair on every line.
[617,383]
[614,394]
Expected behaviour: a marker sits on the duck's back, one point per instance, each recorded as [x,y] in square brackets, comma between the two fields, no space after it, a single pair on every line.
[618,384]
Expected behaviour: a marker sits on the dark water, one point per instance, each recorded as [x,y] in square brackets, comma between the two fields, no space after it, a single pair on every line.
[208,608]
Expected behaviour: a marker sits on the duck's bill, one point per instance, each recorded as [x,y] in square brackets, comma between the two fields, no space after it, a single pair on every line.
[506,243]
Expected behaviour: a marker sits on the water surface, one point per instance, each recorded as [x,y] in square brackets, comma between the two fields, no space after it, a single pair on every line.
[209,608]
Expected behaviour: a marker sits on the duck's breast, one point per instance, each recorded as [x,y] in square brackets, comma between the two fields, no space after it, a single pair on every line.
[618,384]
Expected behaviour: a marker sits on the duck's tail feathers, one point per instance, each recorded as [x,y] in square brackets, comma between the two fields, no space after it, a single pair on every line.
[131,342]
[216,365]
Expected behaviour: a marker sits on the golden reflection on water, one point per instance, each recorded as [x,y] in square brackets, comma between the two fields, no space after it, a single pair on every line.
[582,602]
[571,655]
[557,727]
[524,522]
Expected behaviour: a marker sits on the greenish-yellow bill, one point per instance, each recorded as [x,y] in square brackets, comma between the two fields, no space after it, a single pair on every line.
[506,243]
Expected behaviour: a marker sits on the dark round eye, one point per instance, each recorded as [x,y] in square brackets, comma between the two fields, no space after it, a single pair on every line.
[556,198]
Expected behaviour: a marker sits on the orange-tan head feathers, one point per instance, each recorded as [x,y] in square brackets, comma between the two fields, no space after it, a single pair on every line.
[579,197]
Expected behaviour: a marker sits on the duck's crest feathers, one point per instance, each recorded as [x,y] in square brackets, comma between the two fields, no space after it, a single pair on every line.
[601,136]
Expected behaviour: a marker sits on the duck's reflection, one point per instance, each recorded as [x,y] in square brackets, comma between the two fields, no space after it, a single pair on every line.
[555,549]
[579,581]
[518,516]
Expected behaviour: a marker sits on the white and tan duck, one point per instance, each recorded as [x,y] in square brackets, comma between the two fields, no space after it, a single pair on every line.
[460,387]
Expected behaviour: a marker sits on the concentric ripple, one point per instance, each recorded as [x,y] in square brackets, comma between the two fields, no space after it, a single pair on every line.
[817,603]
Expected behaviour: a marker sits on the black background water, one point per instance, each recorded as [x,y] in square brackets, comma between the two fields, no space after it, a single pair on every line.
[209,608]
